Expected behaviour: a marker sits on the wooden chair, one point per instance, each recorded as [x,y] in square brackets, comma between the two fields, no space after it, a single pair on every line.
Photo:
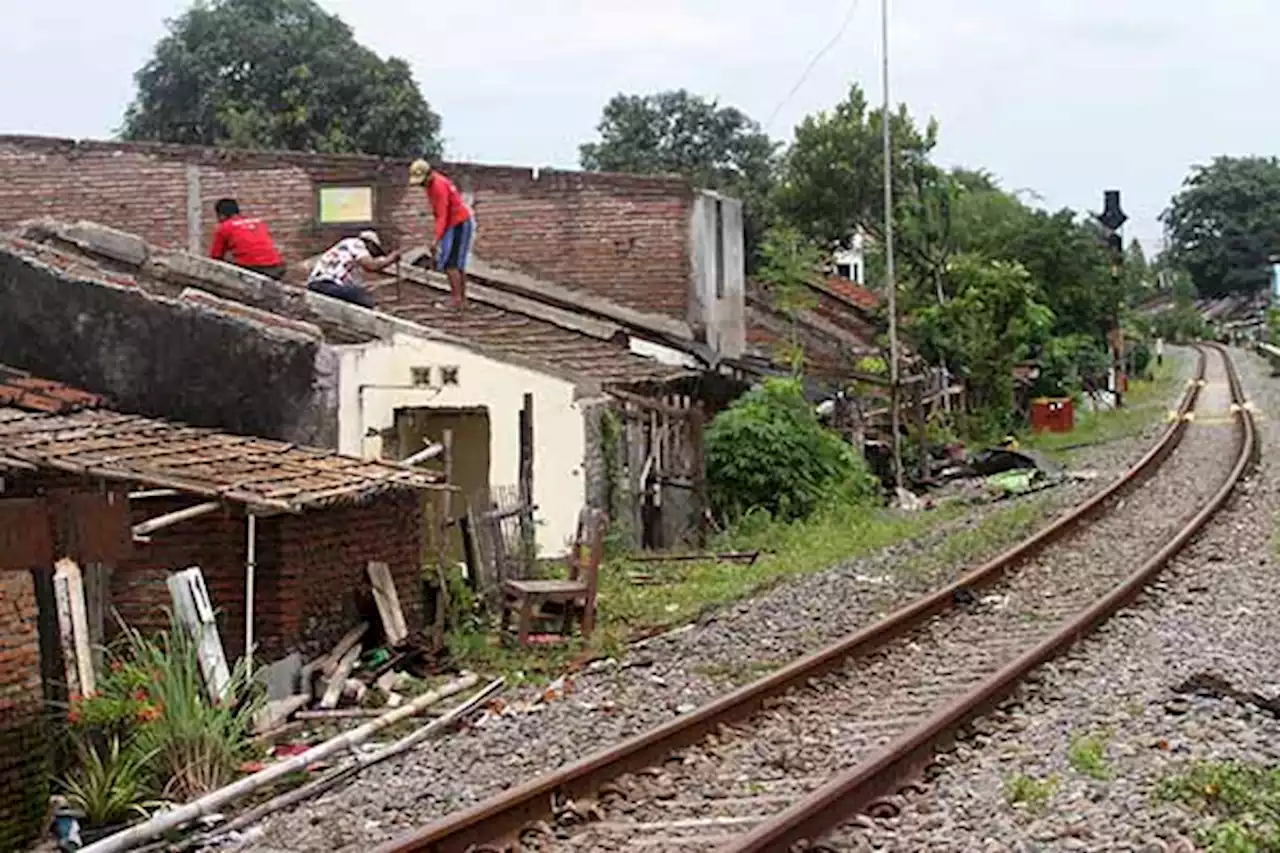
[576,595]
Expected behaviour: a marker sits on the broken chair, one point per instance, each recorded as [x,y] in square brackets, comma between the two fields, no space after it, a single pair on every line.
[576,594]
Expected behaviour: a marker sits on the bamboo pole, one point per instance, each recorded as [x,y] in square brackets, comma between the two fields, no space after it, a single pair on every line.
[211,803]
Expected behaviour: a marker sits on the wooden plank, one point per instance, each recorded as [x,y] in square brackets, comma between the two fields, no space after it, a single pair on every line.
[388,601]
[194,611]
[73,628]
[338,681]
[526,484]
[97,600]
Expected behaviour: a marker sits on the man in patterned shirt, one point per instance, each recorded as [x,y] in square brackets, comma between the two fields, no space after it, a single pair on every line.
[339,272]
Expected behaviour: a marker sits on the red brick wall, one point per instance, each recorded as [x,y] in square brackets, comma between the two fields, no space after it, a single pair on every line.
[309,579]
[622,237]
[23,771]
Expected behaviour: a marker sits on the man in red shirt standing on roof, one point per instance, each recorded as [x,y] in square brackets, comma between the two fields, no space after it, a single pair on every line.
[455,227]
[248,240]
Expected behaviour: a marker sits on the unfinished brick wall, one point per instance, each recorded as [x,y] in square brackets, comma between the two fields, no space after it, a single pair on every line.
[309,579]
[622,237]
[24,787]
[323,559]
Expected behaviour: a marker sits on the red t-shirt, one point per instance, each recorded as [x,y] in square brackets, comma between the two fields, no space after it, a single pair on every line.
[248,240]
[446,204]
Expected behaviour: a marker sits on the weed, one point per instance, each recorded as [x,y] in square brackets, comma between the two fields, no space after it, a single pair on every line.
[1030,792]
[1088,755]
[1242,802]
[108,783]
[197,744]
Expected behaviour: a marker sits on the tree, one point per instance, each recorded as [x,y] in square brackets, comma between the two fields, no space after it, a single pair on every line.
[788,265]
[996,318]
[277,74]
[676,132]
[833,176]
[1225,223]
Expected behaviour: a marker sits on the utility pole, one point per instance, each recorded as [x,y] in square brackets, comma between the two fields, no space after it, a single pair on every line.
[891,283]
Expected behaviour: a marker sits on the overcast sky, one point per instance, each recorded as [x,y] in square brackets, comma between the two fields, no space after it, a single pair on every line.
[1063,97]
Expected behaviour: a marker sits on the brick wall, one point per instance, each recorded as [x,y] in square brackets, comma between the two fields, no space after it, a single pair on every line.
[310,573]
[622,237]
[23,771]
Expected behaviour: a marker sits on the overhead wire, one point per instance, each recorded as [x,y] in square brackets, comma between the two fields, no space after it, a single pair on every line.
[813,63]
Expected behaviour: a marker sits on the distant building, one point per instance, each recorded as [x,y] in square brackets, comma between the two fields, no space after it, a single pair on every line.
[849,262]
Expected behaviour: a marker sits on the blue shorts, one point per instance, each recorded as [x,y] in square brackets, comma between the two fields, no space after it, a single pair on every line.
[455,246]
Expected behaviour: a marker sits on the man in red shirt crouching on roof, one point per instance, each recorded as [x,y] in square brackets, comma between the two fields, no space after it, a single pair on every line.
[455,228]
[248,240]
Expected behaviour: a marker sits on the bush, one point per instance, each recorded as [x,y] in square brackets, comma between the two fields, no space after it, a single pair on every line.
[109,782]
[768,452]
[1180,324]
[152,702]
[1067,362]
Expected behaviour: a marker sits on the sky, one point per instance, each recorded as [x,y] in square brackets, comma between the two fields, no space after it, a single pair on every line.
[1062,98]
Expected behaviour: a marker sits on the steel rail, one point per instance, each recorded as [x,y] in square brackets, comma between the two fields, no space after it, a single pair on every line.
[504,815]
[853,791]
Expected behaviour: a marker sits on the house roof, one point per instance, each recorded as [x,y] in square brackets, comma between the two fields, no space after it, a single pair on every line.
[848,290]
[513,334]
[541,337]
[21,389]
[47,425]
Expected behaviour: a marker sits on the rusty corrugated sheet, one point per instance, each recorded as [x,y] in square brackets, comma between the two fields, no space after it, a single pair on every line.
[92,527]
[26,541]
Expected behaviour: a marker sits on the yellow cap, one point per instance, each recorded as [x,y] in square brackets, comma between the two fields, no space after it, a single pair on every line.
[418,172]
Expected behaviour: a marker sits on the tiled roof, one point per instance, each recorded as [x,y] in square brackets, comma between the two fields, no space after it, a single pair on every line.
[562,350]
[855,293]
[21,389]
[267,475]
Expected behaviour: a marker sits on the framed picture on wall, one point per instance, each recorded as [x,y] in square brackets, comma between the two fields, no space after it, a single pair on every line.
[345,206]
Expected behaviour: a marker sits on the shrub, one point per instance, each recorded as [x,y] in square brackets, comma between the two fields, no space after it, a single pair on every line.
[198,743]
[768,452]
[108,782]
[154,691]
[1068,362]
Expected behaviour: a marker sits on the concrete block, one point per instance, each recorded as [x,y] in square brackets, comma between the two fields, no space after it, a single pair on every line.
[108,242]
[222,279]
[272,323]
[281,678]
[276,712]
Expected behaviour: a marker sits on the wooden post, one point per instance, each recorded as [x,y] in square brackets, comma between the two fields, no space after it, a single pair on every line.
[697,423]
[526,484]
[917,395]
[73,628]
[97,598]
[446,439]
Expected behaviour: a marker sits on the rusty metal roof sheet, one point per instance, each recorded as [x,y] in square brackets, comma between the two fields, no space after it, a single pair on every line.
[262,474]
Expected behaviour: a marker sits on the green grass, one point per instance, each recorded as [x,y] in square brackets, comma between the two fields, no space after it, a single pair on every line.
[1147,402]
[683,592]
[1088,755]
[1027,791]
[1240,803]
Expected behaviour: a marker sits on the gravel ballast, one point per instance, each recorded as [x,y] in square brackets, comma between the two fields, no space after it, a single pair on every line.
[1098,731]
[665,677]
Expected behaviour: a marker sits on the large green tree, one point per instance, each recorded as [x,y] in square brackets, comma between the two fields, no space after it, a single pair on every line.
[1224,224]
[677,132]
[833,177]
[277,74]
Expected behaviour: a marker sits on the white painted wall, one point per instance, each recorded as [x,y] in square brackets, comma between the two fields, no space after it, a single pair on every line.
[375,379]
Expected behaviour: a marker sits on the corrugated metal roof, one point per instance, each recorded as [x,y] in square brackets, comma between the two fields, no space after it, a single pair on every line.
[56,430]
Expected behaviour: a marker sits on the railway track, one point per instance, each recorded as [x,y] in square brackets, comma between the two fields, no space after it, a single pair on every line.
[841,732]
